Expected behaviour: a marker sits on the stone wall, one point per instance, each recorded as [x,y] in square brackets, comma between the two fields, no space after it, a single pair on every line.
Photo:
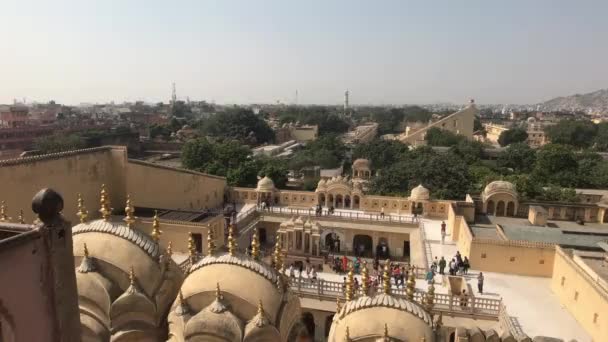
[579,293]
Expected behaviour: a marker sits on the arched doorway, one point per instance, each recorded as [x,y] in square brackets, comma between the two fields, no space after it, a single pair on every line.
[330,200]
[355,202]
[346,201]
[511,209]
[309,323]
[262,236]
[490,208]
[453,337]
[328,320]
[362,245]
[339,201]
[419,208]
[382,251]
[500,208]
[322,199]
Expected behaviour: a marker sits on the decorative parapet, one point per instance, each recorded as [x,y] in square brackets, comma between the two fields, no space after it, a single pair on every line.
[515,243]
[58,155]
[578,269]
[158,166]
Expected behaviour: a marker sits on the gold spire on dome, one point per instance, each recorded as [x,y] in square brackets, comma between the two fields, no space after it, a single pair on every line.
[129,218]
[82,212]
[156,232]
[411,285]
[255,245]
[349,289]
[260,307]
[364,279]
[347,335]
[218,292]
[104,202]
[191,248]
[338,304]
[86,250]
[20,218]
[277,257]
[385,336]
[169,249]
[231,240]
[132,276]
[430,298]
[386,278]
[3,216]
[210,242]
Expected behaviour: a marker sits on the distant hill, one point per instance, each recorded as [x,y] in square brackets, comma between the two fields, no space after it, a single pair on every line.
[596,101]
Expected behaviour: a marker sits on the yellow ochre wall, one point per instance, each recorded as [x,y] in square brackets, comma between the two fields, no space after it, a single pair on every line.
[591,298]
[84,171]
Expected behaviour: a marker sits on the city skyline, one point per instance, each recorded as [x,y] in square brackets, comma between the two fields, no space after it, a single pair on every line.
[240,52]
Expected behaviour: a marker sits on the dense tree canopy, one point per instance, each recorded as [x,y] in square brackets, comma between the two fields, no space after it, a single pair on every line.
[556,164]
[518,156]
[328,119]
[439,137]
[59,143]
[381,153]
[576,133]
[513,135]
[327,151]
[239,124]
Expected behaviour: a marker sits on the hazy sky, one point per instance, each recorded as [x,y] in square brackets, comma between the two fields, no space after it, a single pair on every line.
[262,51]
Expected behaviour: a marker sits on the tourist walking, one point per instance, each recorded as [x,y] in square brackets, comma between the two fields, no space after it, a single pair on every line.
[466,265]
[442,264]
[480,282]
[382,212]
[442,232]
[429,277]
[464,299]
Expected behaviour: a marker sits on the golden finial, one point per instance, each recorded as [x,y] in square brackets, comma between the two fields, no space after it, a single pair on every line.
[338,304]
[104,202]
[260,307]
[3,217]
[278,263]
[364,279]
[218,292]
[386,278]
[156,227]
[169,248]
[82,212]
[430,298]
[20,218]
[210,242]
[347,335]
[411,285]
[231,240]
[132,276]
[86,251]
[255,245]
[386,338]
[191,248]
[129,218]
[349,294]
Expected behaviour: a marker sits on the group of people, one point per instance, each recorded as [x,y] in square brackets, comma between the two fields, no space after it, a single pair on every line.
[319,210]
[311,272]
[457,266]
[265,204]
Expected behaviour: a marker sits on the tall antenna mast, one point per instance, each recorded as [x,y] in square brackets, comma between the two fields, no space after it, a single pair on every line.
[173,95]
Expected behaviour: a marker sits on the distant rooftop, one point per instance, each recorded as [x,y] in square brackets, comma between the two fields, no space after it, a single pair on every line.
[564,233]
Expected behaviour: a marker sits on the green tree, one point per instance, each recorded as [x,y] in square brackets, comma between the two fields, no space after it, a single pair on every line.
[59,143]
[389,120]
[438,137]
[601,139]
[382,153]
[196,154]
[239,124]
[481,175]
[275,169]
[416,114]
[245,174]
[557,165]
[577,133]
[513,135]
[470,151]
[526,187]
[518,156]
[327,151]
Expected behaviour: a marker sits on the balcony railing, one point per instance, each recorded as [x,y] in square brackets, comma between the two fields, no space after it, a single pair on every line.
[344,215]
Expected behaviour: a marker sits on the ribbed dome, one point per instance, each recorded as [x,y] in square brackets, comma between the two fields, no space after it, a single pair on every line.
[420,193]
[265,185]
[361,164]
[497,187]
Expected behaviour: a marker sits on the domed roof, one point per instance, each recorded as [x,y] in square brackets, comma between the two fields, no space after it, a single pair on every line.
[321,185]
[603,201]
[232,270]
[265,185]
[109,254]
[361,164]
[497,187]
[375,316]
[420,193]
[215,320]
